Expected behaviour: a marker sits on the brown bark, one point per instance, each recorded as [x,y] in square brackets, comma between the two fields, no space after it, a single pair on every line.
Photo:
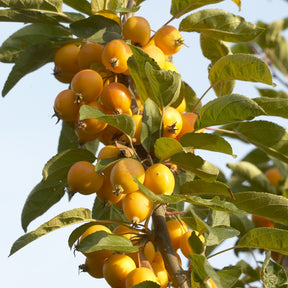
[161,237]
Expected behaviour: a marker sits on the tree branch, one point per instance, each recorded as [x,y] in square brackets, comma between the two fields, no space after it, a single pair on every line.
[163,242]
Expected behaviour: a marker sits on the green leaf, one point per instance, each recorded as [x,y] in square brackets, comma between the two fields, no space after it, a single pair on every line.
[105,162]
[273,274]
[179,8]
[147,284]
[68,139]
[206,141]
[52,187]
[62,220]
[229,275]
[190,96]
[96,28]
[166,147]
[273,106]
[272,93]
[266,238]
[165,85]
[273,207]
[195,164]
[31,35]
[256,133]
[202,187]
[253,175]
[80,5]
[123,122]
[242,67]
[103,240]
[228,109]
[241,222]
[151,125]
[218,234]
[136,65]
[45,5]
[220,25]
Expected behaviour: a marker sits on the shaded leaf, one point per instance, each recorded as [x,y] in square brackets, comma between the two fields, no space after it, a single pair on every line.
[96,28]
[206,141]
[195,164]
[228,109]
[151,125]
[242,67]
[68,139]
[218,234]
[179,8]
[166,147]
[272,93]
[200,187]
[105,162]
[221,25]
[266,238]
[229,275]
[62,220]
[273,207]
[80,5]
[52,187]
[103,240]
[123,122]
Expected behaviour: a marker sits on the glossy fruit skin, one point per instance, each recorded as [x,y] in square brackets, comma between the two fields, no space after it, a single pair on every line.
[273,176]
[182,106]
[188,121]
[116,269]
[169,66]
[98,254]
[168,39]
[82,178]
[65,106]
[186,249]
[155,53]
[89,53]
[94,267]
[105,193]
[125,231]
[161,274]
[172,123]
[122,175]
[107,152]
[87,84]
[159,179]
[116,97]
[66,64]
[260,221]
[136,207]
[176,229]
[140,275]
[115,55]
[137,29]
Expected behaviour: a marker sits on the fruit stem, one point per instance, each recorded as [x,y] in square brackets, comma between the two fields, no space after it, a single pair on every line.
[162,240]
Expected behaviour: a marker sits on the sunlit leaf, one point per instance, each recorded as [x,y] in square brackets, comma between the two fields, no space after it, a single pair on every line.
[123,122]
[44,5]
[62,220]
[166,147]
[266,238]
[228,109]
[218,234]
[81,5]
[221,25]
[242,67]
[52,187]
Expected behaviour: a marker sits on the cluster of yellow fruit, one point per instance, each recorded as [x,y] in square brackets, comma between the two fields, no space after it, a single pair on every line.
[98,75]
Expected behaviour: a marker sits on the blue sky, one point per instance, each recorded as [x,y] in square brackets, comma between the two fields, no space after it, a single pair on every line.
[29,138]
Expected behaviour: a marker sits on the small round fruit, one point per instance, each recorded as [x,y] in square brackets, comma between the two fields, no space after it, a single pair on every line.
[274,176]
[172,123]
[65,106]
[168,39]
[182,106]
[82,178]
[115,55]
[137,29]
[185,247]
[149,251]
[122,175]
[87,85]
[66,64]
[116,269]
[169,66]
[110,15]
[140,275]
[107,152]
[98,254]
[161,274]
[176,229]
[159,179]
[188,121]
[116,97]
[211,283]
[90,53]
[155,53]
[93,266]
[125,231]
[136,207]
[260,221]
